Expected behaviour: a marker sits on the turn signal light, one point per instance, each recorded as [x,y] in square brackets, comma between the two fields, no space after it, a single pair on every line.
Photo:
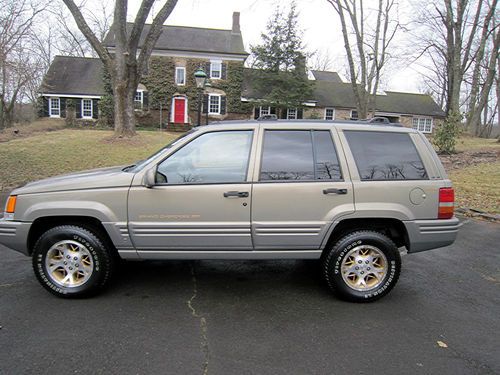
[446,203]
[11,204]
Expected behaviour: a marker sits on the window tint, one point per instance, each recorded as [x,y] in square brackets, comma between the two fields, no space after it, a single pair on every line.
[289,155]
[326,161]
[385,156]
[218,157]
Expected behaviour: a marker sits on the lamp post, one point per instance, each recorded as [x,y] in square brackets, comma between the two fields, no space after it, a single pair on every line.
[201,79]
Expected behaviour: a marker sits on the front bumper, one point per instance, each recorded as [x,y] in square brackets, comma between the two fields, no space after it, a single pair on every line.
[14,235]
[431,234]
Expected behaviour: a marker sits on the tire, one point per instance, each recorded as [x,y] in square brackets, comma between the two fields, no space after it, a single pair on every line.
[362,266]
[72,261]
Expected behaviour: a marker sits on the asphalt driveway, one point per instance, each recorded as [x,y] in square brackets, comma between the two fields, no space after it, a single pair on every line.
[266,317]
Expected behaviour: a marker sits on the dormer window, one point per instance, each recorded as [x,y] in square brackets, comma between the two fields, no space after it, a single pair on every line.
[215,69]
[180,76]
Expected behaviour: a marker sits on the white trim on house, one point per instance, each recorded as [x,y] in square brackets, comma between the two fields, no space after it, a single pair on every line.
[58,109]
[357,114]
[71,96]
[191,54]
[264,110]
[333,114]
[210,96]
[183,69]
[423,124]
[213,63]
[86,109]
[172,115]
[140,93]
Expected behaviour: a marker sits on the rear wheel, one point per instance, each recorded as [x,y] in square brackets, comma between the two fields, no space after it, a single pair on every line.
[363,266]
[72,261]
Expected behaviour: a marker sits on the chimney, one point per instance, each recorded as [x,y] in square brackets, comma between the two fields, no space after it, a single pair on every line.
[236,23]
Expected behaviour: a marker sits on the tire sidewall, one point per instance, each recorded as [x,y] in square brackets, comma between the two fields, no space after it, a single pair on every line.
[87,239]
[342,249]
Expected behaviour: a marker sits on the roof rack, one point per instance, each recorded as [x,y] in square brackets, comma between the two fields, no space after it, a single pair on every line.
[268,118]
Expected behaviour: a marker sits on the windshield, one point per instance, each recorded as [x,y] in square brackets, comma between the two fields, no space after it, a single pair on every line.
[140,164]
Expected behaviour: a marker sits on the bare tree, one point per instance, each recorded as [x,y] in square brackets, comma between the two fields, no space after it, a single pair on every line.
[368,49]
[126,62]
[16,65]
[320,60]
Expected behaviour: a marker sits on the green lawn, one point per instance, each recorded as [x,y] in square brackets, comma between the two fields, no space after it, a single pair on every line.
[49,154]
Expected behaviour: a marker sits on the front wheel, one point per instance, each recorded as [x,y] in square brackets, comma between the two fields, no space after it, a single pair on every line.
[72,261]
[363,266]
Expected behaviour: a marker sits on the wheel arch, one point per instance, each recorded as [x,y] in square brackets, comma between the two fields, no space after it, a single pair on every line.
[42,224]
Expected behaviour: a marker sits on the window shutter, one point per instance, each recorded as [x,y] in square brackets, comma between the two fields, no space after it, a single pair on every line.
[256,113]
[145,100]
[205,103]
[300,113]
[272,110]
[223,105]
[283,113]
[207,69]
[62,103]
[44,111]
[95,108]
[223,73]
[78,108]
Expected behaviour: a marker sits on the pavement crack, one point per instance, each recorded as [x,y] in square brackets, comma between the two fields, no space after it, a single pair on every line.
[202,319]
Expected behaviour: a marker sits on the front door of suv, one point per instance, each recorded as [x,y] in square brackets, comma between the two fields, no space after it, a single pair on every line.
[201,200]
[301,186]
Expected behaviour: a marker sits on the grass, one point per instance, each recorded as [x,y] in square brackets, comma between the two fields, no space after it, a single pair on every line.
[39,126]
[465,143]
[49,154]
[478,187]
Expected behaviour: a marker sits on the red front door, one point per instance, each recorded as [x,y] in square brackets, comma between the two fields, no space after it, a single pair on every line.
[179,110]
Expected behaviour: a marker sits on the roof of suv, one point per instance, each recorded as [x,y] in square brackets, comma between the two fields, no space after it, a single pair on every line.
[343,124]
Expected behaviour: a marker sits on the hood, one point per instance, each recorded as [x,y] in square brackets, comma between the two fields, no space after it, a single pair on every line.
[91,179]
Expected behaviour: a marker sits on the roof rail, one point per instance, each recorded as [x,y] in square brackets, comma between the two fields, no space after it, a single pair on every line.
[268,118]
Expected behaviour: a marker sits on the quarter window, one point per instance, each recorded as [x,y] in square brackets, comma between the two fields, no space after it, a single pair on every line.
[329,114]
[215,69]
[385,156]
[214,104]
[290,155]
[86,108]
[218,157]
[180,76]
[54,107]
[423,124]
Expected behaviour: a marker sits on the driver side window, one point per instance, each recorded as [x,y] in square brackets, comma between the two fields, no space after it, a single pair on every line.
[217,157]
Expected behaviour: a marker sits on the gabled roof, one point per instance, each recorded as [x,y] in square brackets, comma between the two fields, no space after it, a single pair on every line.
[75,76]
[405,102]
[192,39]
[334,94]
[323,75]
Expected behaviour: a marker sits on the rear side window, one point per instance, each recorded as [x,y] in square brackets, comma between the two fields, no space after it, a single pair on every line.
[385,156]
[304,155]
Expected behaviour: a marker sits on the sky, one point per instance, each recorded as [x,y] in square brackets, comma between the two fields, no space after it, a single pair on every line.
[317,19]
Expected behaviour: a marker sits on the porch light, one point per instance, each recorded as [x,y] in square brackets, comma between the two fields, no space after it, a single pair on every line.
[200,76]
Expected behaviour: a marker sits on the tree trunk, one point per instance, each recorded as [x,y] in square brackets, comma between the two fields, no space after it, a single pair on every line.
[124,109]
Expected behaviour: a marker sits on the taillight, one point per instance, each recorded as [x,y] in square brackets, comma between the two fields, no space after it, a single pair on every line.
[446,203]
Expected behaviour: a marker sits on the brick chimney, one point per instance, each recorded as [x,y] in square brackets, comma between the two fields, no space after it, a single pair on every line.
[236,23]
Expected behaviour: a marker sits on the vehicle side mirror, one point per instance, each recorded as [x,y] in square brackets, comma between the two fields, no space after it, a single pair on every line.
[149,179]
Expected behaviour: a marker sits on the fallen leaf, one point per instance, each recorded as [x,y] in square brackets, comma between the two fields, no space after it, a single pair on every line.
[442,344]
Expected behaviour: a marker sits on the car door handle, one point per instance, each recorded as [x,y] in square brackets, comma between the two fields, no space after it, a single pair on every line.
[239,194]
[334,191]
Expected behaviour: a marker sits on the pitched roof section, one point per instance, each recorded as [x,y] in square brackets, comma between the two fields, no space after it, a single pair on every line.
[322,75]
[74,76]
[404,102]
[191,39]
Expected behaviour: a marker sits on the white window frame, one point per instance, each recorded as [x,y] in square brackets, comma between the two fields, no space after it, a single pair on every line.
[91,108]
[58,100]
[333,114]
[212,70]
[423,124]
[357,114]
[264,111]
[210,96]
[139,93]
[289,116]
[177,69]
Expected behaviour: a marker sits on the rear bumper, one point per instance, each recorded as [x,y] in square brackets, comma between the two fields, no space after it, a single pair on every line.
[14,235]
[431,234]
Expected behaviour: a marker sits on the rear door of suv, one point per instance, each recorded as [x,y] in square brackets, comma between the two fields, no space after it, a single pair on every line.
[301,184]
